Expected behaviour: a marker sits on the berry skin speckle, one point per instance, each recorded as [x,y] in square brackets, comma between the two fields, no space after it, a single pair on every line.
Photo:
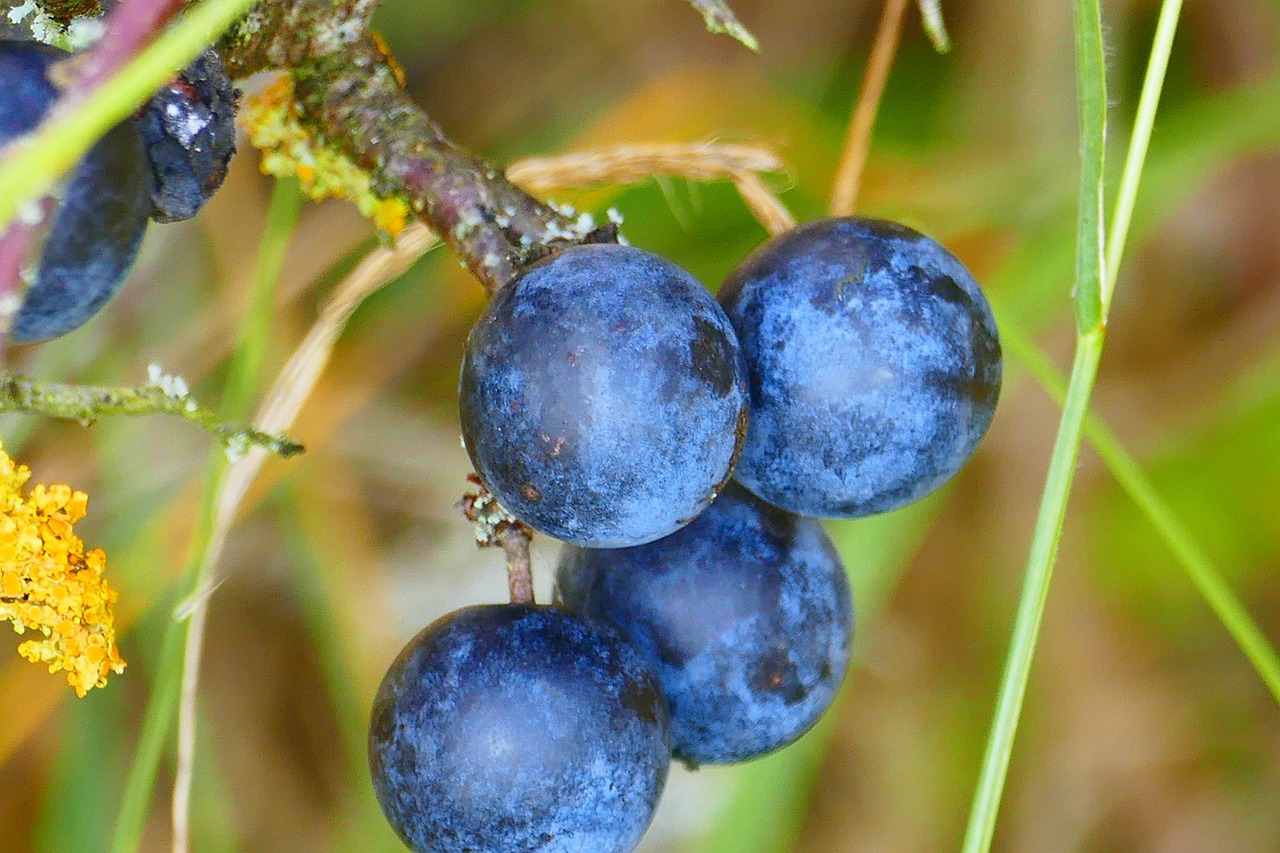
[603,397]
[746,615]
[507,728]
[874,365]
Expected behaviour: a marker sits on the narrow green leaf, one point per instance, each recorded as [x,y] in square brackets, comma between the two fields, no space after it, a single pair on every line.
[1092,95]
[1035,591]
[1152,85]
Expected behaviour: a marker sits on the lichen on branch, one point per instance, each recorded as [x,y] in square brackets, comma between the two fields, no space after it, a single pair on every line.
[283,34]
[350,94]
[163,395]
[271,117]
[355,101]
[50,586]
[63,11]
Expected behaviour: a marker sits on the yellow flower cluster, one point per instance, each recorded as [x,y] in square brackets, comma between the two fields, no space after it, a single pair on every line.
[50,585]
[271,118]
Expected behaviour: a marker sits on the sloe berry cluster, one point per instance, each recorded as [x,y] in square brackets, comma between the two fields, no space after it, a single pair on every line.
[604,400]
[163,164]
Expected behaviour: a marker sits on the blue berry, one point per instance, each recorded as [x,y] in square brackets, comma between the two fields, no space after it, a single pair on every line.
[874,366]
[745,613]
[513,728]
[97,224]
[603,399]
[190,134]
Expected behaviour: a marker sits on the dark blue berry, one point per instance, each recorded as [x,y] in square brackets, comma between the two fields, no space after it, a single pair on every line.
[874,366]
[746,614]
[517,728]
[190,134]
[100,217]
[603,399]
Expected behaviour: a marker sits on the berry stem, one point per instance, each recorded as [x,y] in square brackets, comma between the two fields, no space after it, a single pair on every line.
[515,543]
[498,528]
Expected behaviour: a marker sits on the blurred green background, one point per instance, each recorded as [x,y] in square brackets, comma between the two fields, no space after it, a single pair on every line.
[1145,728]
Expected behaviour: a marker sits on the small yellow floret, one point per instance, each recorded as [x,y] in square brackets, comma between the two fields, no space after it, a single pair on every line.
[271,118]
[50,585]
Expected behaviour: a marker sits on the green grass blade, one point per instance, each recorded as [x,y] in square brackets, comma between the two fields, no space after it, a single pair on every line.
[1152,84]
[1035,591]
[1091,84]
[242,381]
[58,144]
[363,824]
[1129,474]
[1093,299]
[1092,93]
[162,706]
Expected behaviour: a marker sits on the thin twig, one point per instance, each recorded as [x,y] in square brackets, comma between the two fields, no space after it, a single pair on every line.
[844,193]
[15,243]
[633,164]
[354,101]
[86,403]
[766,206]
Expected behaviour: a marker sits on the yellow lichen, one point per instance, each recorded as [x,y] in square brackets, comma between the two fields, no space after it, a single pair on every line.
[50,585]
[271,118]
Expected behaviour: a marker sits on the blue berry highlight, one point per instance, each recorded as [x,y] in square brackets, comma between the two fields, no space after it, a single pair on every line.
[99,219]
[874,365]
[603,398]
[189,131]
[511,728]
[746,614]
